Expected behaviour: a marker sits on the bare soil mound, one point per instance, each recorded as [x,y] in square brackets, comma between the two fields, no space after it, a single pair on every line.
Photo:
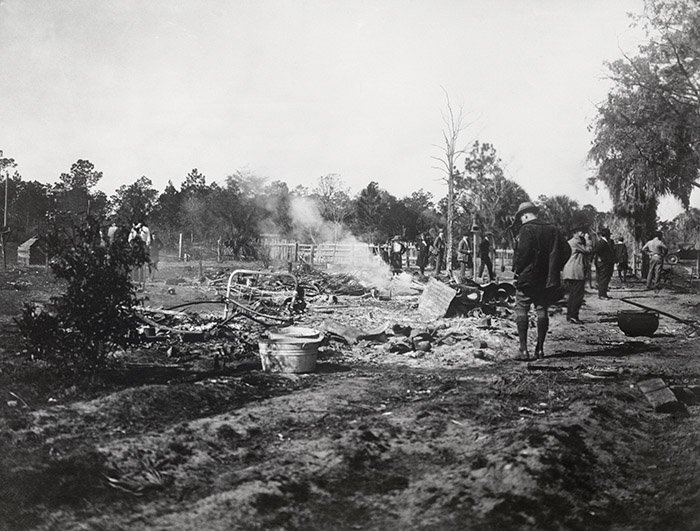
[381,436]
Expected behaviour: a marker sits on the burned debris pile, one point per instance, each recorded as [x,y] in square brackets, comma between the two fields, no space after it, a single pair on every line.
[231,313]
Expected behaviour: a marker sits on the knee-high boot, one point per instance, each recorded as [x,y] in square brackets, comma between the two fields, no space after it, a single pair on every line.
[522,334]
[542,328]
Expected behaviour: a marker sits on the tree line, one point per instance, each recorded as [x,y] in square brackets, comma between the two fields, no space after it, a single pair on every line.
[647,131]
[245,206]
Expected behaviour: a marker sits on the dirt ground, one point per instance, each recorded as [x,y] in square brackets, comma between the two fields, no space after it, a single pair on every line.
[195,436]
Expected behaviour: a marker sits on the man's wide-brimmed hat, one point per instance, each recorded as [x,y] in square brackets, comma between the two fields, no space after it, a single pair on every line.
[527,206]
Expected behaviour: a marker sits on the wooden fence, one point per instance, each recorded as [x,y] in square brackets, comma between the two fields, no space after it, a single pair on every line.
[353,254]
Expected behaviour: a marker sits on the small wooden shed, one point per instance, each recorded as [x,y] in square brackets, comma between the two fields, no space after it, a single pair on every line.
[32,252]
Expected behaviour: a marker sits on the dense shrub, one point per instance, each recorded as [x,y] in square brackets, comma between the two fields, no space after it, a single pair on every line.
[77,329]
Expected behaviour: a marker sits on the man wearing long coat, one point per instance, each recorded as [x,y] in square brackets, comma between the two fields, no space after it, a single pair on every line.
[574,273]
[539,258]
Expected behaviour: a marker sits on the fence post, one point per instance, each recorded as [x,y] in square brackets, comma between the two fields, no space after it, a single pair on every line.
[179,249]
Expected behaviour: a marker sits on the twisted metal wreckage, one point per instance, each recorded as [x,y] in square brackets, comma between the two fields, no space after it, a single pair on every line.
[274,299]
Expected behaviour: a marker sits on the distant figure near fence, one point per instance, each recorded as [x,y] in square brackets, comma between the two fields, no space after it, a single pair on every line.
[422,247]
[464,252]
[396,252]
[438,251]
[485,258]
[154,255]
[141,231]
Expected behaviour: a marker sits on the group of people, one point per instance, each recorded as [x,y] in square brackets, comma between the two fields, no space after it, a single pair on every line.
[432,251]
[139,230]
[546,266]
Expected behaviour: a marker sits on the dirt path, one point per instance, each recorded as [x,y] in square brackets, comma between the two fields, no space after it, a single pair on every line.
[457,438]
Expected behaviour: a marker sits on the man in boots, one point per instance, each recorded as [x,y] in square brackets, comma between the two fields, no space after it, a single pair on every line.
[540,255]
[604,251]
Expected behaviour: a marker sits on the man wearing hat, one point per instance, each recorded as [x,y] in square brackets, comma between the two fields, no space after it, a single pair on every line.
[622,259]
[396,253]
[485,257]
[657,250]
[464,251]
[574,273]
[439,251]
[540,255]
[604,251]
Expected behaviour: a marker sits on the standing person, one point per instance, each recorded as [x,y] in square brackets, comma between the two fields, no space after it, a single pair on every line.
[154,255]
[604,251]
[463,252]
[539,257]
[385,251]
[439,251]
[574,272]
[396,251]
[112,231]
[622,259]
[140,231]
[422,248]
[485,257]
[656,250]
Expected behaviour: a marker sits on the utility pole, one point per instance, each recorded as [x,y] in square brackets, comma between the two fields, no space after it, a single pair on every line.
[5,230]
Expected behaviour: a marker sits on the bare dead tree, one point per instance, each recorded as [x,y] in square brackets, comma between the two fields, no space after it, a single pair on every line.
[454,124]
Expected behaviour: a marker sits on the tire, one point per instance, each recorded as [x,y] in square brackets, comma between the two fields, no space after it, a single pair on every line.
[672,259]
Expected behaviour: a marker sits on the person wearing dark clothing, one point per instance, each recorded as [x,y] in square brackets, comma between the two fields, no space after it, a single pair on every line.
[422,248]
[485,258]
[622,259]
[439,251]
[574,273]
[539,257]
[604,251]
[154,255]
[396,252]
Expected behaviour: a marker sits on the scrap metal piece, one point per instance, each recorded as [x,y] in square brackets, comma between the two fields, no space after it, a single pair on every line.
[660,396]
[261,295]
[436,299]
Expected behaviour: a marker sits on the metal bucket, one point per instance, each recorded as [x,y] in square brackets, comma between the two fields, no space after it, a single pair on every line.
[285,352]
[637,323]
[294,332]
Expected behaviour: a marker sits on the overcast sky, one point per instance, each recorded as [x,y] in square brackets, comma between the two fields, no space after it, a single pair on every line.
[293,90]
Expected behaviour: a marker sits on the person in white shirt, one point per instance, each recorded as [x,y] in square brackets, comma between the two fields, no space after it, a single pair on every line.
[140,230]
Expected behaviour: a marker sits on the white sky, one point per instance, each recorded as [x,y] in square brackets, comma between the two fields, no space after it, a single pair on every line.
[296,89]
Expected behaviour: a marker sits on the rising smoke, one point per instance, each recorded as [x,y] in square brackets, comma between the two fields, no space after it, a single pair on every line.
[339,249]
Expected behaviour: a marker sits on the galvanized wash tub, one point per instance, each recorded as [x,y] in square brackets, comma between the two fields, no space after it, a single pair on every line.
[290,350]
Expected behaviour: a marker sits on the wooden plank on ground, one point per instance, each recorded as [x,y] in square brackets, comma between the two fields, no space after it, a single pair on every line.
[660,396]
[435,300]
[652,384]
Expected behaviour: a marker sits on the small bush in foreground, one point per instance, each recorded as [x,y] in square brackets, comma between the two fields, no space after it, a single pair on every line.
[76,330]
